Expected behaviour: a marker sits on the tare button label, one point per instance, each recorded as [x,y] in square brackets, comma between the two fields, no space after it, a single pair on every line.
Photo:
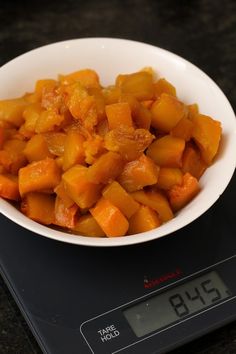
[108,333]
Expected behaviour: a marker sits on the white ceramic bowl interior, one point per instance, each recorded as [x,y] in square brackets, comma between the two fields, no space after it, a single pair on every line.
[110,57]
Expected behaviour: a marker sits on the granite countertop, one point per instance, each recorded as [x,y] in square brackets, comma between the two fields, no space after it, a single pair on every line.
[202,31]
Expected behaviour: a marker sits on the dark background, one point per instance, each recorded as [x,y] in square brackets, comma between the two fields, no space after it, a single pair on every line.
[203,32]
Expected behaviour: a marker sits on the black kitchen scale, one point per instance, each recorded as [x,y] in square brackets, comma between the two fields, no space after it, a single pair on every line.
[147,298]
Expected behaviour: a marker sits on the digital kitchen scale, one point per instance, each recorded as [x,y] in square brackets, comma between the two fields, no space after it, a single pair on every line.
[147,298]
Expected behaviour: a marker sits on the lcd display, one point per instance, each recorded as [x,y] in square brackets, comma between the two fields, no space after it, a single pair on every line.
[177,303]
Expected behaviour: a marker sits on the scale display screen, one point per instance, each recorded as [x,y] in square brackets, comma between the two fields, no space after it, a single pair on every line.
[173,305]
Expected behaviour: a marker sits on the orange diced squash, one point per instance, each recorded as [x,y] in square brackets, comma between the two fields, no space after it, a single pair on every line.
[106,168]
[39,207]
[192,162]
[73,150]
[120,198]
[31,114]
[130,143]
[44,85]
[163,86]
[48,121]
[111,94]
[168,177]
[192,110]
[62,194]
[37,149]
[2,137]
[87,78]
[65,216]
[88,226]
[56,142]
[110,218]
[12,157]
[157,201]
[183,129]
[11,111]
[207,134]
[9,187]
[118,114]
[39,175]
[167,112]
[79,188]
[179,196]
[167,151]
[139,84]
[145,219]
[138,174]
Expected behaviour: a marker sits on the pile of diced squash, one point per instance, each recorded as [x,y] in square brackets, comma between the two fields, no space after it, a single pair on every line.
[103,161]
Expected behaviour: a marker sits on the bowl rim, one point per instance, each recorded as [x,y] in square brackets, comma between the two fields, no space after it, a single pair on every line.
[20,219]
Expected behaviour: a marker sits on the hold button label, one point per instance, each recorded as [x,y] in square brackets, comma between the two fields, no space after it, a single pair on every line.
[108,333]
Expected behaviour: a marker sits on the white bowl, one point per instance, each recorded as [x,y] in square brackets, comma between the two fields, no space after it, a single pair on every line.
[110,57]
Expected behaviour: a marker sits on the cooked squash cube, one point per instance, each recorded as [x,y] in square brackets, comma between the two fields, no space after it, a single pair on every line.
[179,196]
[39,175]
[118,114]
[207,134]
[62,194]
[138,174]
[167,112]
[168,177]
[192,162]
[12,110]
[163,86]
[79,188]
[73,151]
[183,129]
[145,219]
[9,187]
[139,84]
[37,149]
[31,114]
[48,121]
[87,78]
[39,207]
[167,151]
[110,218]
[106,168]
[120,198]
[65,216]
[157,201]
[88,226]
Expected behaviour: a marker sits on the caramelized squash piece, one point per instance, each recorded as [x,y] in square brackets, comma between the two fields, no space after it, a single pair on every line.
[128,142]
[145,219]
[168,177]
[37,149]
[207,134]
[138,174]
[120,198]
[65,216]
[11,111]
[39,207]
[38,176]
[139,84]
[110,218]
[163,86]
[193,110]
[192,162]
[9,187]
[73,150]
[179,196]
[157,201]
[88,226]
[79,188]
[118,114]
[48,121]
[62,194]
[44,85]
[12,157]
[106,168]
[183,129]
[167,151]
[86,77]
[167,112]
[31,114]
[55,142]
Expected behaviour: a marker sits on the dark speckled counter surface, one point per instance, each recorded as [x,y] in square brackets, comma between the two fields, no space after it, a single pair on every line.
[202,31]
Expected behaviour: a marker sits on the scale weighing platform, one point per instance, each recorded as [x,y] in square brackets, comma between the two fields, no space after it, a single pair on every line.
[147,298]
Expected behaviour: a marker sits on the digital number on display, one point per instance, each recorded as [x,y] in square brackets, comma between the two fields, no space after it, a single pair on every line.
[177,303]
